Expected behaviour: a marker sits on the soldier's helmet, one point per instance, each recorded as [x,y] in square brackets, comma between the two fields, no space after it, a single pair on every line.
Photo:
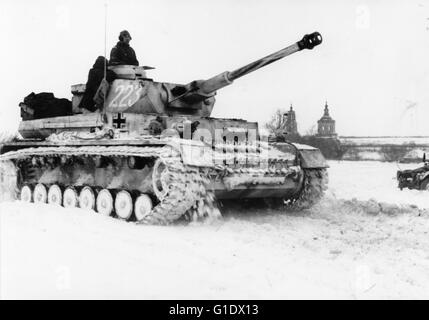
[123,34]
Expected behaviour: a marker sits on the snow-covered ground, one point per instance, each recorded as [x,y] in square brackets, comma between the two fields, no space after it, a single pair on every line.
[372,179]
[342,248]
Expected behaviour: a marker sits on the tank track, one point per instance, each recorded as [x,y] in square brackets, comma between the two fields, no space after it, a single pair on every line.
[314,186]
[187,195]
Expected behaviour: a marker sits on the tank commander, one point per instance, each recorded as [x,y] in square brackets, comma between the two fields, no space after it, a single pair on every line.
[122,53]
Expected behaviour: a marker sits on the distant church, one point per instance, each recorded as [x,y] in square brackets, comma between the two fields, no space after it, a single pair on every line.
[289,123]
[326,125]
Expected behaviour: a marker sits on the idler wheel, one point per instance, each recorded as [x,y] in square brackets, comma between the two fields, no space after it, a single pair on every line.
[26,194]
[55,195]
[87,199]
[124,205]
[70,198]
[159,178]
[40,194]
[142,207]
[104,202]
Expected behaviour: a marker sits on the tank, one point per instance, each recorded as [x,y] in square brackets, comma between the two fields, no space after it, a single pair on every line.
[153,154]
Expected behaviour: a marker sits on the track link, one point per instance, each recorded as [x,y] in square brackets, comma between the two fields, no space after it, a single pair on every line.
[314,186]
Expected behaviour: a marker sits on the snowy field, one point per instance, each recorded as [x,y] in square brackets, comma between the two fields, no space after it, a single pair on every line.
[364,240]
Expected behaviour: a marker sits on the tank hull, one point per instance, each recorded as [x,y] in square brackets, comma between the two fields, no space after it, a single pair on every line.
[131,166]
[106,164]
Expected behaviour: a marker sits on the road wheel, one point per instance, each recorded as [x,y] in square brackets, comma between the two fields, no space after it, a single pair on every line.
[104,202]
[40,194]
[143,207]
[55,195]
[87,199]
[124,205]
[26,194]
[70,198]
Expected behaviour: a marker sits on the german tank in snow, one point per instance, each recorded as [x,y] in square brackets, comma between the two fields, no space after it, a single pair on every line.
[152,153]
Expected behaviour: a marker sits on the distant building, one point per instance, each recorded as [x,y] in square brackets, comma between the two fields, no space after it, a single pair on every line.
[326,125]
[289,124]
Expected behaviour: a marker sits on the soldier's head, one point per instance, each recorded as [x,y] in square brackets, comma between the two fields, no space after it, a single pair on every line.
[125,36]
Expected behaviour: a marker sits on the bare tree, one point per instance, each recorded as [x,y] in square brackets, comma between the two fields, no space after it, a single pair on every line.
[275,125]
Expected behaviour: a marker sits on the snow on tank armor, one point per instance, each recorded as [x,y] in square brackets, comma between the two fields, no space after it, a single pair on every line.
[154,155]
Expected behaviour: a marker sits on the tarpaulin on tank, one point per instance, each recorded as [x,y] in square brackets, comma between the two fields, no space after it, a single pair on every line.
[44,105]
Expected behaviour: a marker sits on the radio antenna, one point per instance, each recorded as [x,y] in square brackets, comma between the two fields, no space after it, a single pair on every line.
[105,56]
[105,39]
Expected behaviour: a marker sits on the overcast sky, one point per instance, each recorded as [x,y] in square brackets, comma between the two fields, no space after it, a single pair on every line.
[372,67]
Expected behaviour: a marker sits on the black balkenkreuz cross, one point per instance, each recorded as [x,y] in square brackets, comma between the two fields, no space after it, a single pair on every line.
[119,121]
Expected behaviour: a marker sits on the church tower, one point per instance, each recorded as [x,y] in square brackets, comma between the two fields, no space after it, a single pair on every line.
[326,125]
[289,122]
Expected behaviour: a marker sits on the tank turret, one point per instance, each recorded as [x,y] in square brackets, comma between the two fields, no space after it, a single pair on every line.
[143,95]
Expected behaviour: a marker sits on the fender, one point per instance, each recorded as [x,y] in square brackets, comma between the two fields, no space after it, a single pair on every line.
[310,157]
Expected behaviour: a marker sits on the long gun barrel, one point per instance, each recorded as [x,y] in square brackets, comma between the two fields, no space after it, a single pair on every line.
[309,41]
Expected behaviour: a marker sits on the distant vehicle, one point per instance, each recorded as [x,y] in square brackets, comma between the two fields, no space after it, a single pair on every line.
[415,178]
[153,154]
